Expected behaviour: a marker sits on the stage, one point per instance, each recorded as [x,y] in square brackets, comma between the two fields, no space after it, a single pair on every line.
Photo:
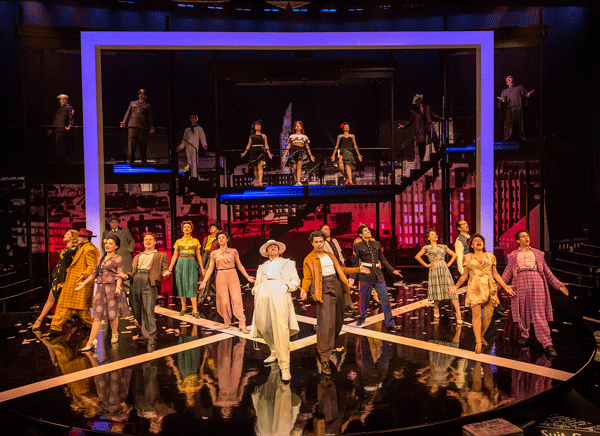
[204,379]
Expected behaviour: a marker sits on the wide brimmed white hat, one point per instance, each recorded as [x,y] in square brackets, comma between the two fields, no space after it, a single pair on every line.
[263,248]
[417,97]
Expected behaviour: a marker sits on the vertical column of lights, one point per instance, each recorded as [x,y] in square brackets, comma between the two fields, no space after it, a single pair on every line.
[93,42]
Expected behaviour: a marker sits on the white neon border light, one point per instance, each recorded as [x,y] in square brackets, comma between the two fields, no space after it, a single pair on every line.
[93,42]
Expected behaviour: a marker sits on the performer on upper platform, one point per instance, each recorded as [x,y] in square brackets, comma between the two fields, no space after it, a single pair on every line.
[462,244]
[259,151]
[140,122]
[110,301]
[326,280]
[193,136]
[482,291]
[512,100]
[71,299]
[368,253]
[274,318]
[528,271]
[63,120]
[299,151]
[423,117]
[185,251]
[440,278]
[229,292]
[342,153]
[59,275]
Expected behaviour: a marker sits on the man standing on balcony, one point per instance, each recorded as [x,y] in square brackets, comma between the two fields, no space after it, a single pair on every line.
[530,276]
[423,117]
[368,253]
[512,100]
[140,122]
[193,136]
[63,120]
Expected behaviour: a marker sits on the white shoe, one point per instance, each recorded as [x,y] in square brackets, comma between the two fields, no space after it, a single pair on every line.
[272,358]
[285,375]
[298,184]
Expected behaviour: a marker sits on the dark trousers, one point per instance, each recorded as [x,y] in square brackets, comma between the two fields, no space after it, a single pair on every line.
[365,298]
[210,284]
[422,146]
[135,137]
[330,317]
[142,299]
[59,145]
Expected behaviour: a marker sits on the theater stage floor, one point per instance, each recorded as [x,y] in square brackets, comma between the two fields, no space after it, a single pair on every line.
[204,379]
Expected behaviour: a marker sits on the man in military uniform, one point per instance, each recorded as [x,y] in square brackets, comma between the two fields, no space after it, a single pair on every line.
[127,246]
[63,120]
[368,253]
[140,122]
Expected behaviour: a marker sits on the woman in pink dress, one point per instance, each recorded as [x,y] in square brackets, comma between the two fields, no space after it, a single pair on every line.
[480,269]
[226,259]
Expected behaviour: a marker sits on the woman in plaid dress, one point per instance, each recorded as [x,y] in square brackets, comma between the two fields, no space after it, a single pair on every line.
[480,269]
[440,279]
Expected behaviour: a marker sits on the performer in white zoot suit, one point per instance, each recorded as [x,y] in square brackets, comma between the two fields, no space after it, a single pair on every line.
[274,318]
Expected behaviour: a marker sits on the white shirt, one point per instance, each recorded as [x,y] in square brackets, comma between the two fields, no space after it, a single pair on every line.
[145,259]
[194,136]
[327,266]
[273,268]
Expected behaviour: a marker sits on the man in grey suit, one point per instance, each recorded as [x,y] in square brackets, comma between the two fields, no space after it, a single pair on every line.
[127,242]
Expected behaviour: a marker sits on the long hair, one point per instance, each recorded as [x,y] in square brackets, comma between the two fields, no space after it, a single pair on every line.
[117,243]
[253,128]
[476,235]
[294,127]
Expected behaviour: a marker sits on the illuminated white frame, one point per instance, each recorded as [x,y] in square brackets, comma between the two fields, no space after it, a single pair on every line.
[93,42]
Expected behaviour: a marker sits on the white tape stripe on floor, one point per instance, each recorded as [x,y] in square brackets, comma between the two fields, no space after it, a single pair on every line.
[102,369]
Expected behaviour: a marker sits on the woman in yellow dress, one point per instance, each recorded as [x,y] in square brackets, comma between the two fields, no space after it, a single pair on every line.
[482,291]
[185,253]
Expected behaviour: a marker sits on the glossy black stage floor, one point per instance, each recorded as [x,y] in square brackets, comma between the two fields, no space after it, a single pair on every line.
[204,379]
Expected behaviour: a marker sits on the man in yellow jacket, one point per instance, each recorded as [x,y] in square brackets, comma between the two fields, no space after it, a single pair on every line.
[326,280]
[72,299]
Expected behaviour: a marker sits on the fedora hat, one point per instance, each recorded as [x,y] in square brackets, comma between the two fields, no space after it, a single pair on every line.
[86,232]
[263,248]
[417,97]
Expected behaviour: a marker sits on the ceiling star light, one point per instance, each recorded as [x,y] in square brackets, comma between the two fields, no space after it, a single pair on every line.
[285,5]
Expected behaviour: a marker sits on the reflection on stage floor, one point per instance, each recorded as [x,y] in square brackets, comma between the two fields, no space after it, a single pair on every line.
[203,378]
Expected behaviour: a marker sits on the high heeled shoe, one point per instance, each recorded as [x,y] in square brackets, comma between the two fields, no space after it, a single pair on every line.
[115,338]
[244,330]
[37,328]
[89,346]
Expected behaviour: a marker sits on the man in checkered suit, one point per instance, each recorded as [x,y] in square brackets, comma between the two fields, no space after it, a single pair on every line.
[528,273]
[72,300]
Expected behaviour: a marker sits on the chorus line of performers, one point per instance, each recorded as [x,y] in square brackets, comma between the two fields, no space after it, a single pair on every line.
[324,276]
[526,280]
[298,152]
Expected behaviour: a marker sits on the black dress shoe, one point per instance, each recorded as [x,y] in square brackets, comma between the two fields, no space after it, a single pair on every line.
[325,368]
[394,329]
[550,351]
[360,322]
[52,334]
[523,341]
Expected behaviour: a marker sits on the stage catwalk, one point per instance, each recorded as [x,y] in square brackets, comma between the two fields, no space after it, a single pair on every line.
[204,379]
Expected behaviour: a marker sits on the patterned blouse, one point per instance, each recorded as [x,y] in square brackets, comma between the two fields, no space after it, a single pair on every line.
[187,247]
[298,139]
[107,269]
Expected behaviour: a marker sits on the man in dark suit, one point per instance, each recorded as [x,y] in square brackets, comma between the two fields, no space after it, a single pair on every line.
[423,117]
[127,243]
[140,122]
[63,120]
